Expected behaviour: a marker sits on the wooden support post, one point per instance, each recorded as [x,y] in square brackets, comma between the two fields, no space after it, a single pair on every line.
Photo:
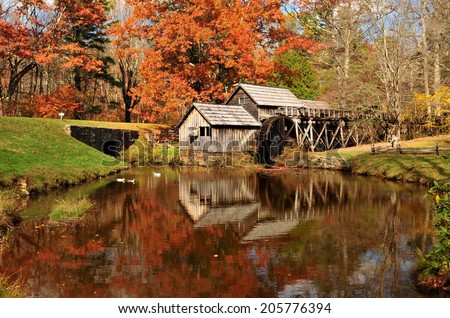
[372,149]
[340,125]
[311,134]
[436,149]
[297,132]
[350,135]
[319,136]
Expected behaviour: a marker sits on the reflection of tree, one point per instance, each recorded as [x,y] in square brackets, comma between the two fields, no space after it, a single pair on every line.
[389,246]
[139,243]
[129,214]
[346,252]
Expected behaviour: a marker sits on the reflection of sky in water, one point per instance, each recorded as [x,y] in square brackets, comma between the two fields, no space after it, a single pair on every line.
[366,270]
[374,262]
[300,288]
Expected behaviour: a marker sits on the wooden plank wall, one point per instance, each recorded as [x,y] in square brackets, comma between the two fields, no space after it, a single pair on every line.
[197,196]
[232,139]
[225,139]
[195,119]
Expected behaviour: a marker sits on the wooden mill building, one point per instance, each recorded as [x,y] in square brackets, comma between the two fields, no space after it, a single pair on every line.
[267,117]
[216,128]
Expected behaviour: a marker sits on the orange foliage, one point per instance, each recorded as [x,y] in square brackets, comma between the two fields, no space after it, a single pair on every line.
[34,32]
[201,48]
[63,100]
[78,16]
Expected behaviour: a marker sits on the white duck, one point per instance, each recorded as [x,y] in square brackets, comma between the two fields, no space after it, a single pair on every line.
[157,174]
[131,181]
[120,179]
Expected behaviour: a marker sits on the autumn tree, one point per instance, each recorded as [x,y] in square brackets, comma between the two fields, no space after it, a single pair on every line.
[342,26]
[83,24]
[44,38]
[27,32]
[128,50]
[395,51]
[63,100]
[199,49]
[429,22]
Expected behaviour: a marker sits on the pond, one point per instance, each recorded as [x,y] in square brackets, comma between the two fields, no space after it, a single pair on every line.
[195,232]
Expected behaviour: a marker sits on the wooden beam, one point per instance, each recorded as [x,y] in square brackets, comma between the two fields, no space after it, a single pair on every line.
[339,129]
[319,136]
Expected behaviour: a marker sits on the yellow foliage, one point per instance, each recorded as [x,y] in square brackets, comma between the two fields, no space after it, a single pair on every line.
[417,108]
[439,100]
[438,104]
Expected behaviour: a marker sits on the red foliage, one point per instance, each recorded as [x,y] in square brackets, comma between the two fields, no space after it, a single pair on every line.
[63,100]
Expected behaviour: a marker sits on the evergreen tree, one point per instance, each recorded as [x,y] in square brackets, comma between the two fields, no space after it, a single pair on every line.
[294,71]
[85,38]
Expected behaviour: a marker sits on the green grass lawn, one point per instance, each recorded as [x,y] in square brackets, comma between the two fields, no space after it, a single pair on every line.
[41,153]
[114,125]
[406,167]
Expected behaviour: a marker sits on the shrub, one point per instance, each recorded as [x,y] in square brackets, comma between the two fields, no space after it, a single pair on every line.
[434,267]
[143,153]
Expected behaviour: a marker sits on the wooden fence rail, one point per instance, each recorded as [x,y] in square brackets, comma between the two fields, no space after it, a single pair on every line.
[434,150]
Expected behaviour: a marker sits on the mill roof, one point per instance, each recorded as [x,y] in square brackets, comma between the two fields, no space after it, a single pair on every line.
[224,115]
[276,97]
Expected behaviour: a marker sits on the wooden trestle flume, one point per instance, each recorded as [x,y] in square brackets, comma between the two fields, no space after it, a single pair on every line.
[308,128]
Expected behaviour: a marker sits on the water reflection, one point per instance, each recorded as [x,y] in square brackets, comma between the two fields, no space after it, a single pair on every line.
[228,233]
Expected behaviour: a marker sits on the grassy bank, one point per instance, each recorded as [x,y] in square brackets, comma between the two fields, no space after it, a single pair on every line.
[11,289]
[8,205]
[115,125]
[37,155]
[405,167]
[70,209]
[142,153]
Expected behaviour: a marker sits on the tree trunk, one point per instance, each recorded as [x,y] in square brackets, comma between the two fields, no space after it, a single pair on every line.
[425,49]
[437,69]
[77,83]
[127,82]
[346,69]
[14,80]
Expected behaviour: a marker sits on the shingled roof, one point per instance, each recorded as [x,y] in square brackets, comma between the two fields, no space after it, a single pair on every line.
[224,115]
[276,97]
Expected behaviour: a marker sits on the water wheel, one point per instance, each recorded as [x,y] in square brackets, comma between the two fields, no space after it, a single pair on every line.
[276,133]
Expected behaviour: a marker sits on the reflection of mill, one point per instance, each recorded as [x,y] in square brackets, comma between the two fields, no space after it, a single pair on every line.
[259,206]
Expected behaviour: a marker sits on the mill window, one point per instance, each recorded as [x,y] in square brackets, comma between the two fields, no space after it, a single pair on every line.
[242,100]
[205,131]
